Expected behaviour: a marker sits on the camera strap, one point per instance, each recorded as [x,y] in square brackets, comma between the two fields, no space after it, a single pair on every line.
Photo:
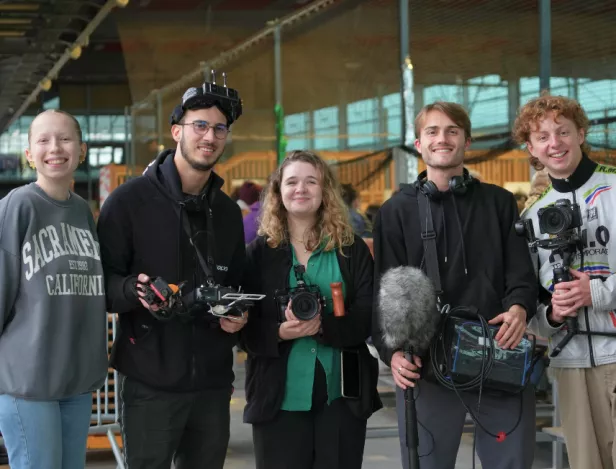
[428,235]
[211,240]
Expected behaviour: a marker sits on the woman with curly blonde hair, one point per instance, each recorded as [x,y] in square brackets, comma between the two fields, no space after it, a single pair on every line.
[302,415]
[331,225]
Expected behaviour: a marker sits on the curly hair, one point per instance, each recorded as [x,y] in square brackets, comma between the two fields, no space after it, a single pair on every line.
[332,226]
[537,109]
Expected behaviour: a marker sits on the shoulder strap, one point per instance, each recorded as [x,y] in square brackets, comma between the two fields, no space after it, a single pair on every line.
[428,235]
[205,263]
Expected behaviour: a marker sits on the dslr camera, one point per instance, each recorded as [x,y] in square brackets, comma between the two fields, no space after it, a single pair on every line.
[306,300]
[560,221]
[225,301]
[563,216]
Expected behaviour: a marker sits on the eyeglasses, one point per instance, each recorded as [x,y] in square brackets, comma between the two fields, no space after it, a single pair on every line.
[202,127]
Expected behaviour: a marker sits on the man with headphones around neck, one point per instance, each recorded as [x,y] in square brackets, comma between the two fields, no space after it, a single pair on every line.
[174,222]
[482,263]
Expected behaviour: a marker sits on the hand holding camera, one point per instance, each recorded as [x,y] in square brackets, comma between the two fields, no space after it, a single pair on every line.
[294,328]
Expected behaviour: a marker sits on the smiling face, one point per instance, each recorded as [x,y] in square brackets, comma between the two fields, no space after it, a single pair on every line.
[196,137]
[556,143]
[55,146]
[441,141]
[301,189]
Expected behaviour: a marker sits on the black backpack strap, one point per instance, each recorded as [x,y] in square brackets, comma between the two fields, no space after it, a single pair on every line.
[207,264]
[428,235]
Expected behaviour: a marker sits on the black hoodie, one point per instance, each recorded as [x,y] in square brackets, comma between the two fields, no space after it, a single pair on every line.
[140,231]
[482,262]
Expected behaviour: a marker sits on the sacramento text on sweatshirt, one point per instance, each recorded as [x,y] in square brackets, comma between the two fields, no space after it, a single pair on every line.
[53,322]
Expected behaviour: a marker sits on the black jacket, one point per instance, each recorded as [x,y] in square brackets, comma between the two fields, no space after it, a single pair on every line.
[266,368]
[140,231]
[475,233]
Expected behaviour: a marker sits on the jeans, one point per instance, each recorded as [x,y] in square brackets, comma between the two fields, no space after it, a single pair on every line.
[46,434]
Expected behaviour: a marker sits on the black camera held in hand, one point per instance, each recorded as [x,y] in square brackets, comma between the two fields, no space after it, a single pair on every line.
[170,301]
[562,222]
[225,302]
[306,300]
[560,218]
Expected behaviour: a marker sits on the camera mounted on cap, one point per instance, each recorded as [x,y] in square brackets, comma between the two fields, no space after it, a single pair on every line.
[210,94]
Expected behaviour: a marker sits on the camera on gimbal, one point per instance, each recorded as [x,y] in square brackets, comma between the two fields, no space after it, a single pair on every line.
[306,300]
[225,301]
[562,222]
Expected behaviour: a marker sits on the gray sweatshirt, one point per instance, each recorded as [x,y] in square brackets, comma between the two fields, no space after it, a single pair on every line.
[53,322]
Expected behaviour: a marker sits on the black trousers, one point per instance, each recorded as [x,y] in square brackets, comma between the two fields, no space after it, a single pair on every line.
[326,437]
[192,429]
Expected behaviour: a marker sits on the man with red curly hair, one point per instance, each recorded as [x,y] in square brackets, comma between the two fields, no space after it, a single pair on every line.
[554,129]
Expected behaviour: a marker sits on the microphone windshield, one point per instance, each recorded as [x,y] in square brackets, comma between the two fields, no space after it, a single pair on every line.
[407,309]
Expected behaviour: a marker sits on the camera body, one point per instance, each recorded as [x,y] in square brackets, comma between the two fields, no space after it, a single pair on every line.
[306,300]
[225,302]
[212,293]
[561,221]
[559,218]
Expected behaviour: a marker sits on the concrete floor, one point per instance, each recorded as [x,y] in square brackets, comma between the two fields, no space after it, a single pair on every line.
[381,451]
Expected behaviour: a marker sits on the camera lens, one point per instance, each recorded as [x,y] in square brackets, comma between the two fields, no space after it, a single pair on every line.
[304,306]
[554,220]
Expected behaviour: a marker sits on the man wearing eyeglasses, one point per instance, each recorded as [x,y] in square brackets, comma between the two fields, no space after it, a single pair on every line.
[175,223]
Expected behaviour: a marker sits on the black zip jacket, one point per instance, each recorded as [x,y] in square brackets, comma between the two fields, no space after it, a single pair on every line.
[482,261]
[140,231]
[268,270]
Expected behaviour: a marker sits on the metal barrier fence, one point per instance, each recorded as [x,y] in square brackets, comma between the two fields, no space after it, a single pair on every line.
[105,419]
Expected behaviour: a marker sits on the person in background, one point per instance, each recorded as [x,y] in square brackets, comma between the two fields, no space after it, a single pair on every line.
[53,321]
[538,184]
[251,222]
[361,225]
[248,193]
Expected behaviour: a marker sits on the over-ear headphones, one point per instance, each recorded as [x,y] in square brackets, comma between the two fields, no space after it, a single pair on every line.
[457,185]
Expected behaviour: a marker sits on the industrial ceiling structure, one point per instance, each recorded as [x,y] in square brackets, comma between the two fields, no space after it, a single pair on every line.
[76,41]
[150,43]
